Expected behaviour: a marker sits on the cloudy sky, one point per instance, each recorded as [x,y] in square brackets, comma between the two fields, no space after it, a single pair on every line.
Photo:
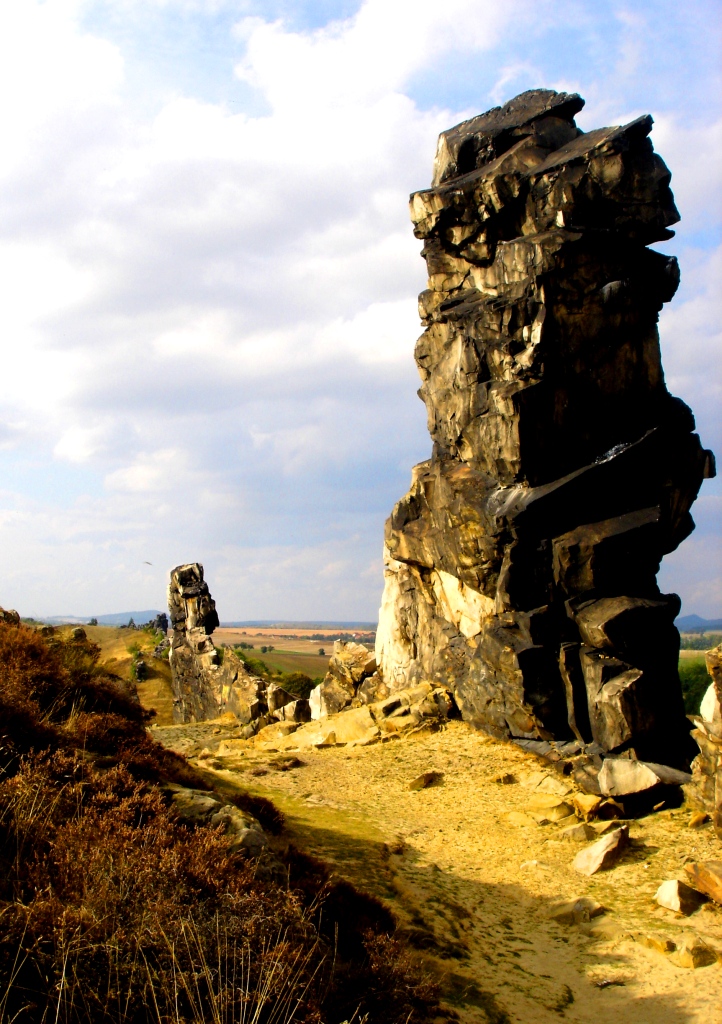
[208,277]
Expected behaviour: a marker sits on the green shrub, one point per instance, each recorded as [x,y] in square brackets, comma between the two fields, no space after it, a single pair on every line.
[297,683]
[695,680]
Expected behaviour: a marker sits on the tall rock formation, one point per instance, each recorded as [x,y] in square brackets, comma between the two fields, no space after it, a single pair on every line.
[521,566]
[208,683]
[204,686]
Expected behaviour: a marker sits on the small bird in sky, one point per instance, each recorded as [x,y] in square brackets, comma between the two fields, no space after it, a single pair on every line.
[147,563]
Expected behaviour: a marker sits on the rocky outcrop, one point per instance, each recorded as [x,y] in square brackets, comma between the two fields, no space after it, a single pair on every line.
[421,708]
[705,790]
[204,686]
[351,669]
[208,683]
[521,566]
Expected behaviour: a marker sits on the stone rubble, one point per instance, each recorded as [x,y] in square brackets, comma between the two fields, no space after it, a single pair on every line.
[521,566]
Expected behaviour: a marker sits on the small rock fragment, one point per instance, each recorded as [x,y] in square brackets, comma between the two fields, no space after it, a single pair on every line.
[586,805]
[602,827]
[678,896]
[580,833]
[550,807]
[693,953]
[706,877]
[603,854]
[427,779]
[697,819]
[576,911]
[506,780]
[555,786]
[656,942]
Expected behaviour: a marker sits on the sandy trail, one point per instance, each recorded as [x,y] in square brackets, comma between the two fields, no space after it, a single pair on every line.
[474,891]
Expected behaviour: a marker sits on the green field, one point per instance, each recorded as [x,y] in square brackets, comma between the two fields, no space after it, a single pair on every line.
[291,661]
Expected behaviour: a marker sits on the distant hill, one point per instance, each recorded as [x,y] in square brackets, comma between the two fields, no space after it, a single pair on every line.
[315,624]
[116,619]
[696,624]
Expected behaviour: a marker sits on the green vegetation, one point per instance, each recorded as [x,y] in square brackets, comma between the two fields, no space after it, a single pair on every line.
[699,641]
[298,683]
[695,680]
[114,912]
[294,661]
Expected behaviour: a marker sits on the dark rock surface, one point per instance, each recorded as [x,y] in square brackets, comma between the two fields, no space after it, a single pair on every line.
[521,566]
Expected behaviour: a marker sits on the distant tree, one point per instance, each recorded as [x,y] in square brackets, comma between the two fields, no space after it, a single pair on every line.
[264,649]
[93,622]
[131,623]
[321,652]
[270,647]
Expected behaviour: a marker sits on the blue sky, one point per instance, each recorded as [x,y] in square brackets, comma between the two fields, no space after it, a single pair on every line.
[209,278]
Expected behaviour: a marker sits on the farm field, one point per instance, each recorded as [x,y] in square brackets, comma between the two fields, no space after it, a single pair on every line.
[291,661]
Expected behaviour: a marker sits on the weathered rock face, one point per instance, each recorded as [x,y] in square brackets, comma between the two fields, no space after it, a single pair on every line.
[705,789]
[521,566]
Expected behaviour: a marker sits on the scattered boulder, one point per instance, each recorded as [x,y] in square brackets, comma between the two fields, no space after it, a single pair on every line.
[349,666]
[659,943]
[706,877]
[277,697]
[622,777]
[551,808]
[578,911]
[678,896]
[603,854]
[430,778]
[580,833]
[693,952]
[12,618]
[330,697]
[586,805]
[372,689]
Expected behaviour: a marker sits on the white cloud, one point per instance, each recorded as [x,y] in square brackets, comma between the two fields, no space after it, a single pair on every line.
[209,316]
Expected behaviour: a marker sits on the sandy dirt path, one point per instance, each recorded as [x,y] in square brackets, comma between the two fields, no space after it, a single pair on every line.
[474,891]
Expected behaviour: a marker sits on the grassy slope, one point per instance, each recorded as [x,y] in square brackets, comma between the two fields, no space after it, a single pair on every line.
[114,912]
[155,691]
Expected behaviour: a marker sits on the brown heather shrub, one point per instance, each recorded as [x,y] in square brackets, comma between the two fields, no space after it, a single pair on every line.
[112,911]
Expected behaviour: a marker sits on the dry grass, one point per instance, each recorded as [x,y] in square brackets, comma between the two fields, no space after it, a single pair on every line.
[113,911]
